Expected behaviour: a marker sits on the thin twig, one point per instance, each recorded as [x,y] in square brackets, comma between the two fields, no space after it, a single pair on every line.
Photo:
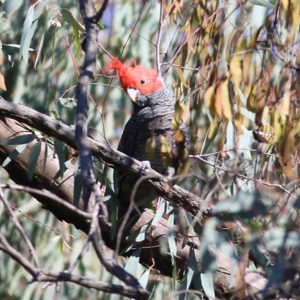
[20,229]
[49,195]
[161,14]
[101,11]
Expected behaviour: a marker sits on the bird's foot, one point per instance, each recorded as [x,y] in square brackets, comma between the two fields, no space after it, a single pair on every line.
[145,165]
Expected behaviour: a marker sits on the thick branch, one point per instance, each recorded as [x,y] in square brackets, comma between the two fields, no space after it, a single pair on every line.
[51,127]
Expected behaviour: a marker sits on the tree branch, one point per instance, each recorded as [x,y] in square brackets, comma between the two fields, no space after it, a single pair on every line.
[90,186]
[40,275]
[110,156]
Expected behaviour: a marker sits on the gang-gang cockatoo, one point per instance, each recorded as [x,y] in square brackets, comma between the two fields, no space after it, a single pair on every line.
[153,110]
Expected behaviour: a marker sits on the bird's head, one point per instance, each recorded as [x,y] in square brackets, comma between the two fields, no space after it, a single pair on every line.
[136,81]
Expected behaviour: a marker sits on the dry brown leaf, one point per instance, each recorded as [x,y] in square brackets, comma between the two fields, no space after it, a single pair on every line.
[240,275]
[2,82]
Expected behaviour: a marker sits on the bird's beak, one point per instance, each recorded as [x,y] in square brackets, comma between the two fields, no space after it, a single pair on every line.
[132,93]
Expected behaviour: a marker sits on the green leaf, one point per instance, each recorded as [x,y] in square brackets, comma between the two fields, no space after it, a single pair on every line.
[22,139]
[133,262]
[245,205]
[46,40]
[263,3]
[19,149]
[76,40]
[208,284]
[59,149]
[144,278]
[30,25]
[68,17]
[142,233]
[55,115]
[33,158]
[297,203]
[159,212]
[189,273]
[208,263]
[10,6]
[280,237]
[68,102]
[45,158]
[172,245]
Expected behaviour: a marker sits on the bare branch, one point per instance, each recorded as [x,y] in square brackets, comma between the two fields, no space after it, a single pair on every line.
[40,275]
[161,15]
[101,11]
[20,229]
[49,195]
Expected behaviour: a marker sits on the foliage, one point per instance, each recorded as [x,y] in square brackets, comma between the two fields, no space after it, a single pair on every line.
[234,67]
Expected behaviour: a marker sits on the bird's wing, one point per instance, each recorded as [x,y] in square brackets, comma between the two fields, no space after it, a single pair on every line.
[126,146]
[128,138]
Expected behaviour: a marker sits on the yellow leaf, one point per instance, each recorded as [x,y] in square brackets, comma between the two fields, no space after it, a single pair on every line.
[218,101]
[279,129]
[179,136]
[250,93]
[188,29]
[298,60]
[237,61]
[177,116]
[185,112]
[236,70]
[285,105]
[223,104]
[286,148]
[166,151]
[296,129]
[179,72]
[231,42]
[213,127]
[238,127]
[150,147]
[248,55]
[209,97]
[295,9]
[285,4]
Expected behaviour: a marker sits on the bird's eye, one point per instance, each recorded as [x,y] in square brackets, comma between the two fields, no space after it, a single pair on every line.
[143,81]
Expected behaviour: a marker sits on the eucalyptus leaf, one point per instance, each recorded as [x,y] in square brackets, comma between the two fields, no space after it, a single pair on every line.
[30,25]
[69,18]
[263,3]
[19,149]
[133,262]
[10,6]
[59,149]
[144,279]
[208,284]
[21,139]
[33,158]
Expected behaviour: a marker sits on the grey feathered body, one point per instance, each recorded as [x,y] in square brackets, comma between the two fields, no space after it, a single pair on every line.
[152,117]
